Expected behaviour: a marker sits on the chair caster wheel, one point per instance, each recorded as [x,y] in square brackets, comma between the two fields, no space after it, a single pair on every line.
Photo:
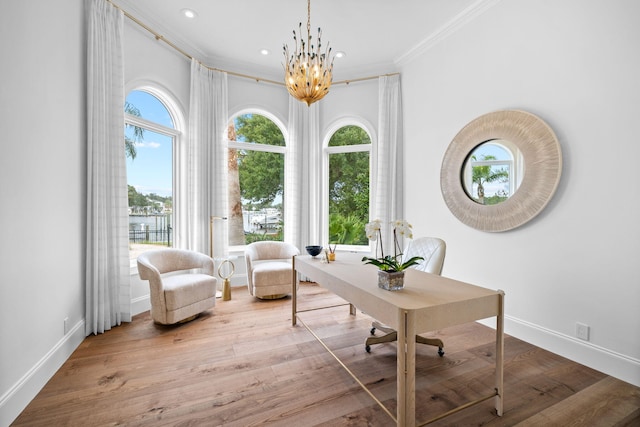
[373,331]
[367,348]
[440,352]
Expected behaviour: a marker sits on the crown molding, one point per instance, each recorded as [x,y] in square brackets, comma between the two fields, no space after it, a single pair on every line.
[454,24]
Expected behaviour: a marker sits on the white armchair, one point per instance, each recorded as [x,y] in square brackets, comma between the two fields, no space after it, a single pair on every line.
[178,297]
[269,269]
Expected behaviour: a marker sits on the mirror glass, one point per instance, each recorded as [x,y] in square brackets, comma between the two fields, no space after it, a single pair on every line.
[492,172]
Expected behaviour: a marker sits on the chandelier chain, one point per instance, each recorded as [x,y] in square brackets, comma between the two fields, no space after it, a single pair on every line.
[308,19]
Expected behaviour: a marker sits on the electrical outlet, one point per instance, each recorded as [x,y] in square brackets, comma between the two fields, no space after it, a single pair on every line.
[66,325]
[582,331]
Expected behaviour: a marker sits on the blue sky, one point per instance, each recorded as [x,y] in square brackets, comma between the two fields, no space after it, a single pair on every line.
[151,170]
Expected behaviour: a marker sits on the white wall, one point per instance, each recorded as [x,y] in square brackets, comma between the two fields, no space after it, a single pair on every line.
[42,195]
[575,64]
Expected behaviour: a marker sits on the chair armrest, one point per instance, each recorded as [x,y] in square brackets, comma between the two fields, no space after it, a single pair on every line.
[146,271]
[249,266]
[290,251]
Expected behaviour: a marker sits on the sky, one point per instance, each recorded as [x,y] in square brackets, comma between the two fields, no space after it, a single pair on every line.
[151,170]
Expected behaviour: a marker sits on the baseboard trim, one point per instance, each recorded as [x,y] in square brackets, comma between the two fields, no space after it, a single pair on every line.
[617,365]
[140,305]
[13,402]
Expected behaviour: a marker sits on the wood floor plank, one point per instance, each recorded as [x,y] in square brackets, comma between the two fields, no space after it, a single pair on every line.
[243,364]
[608,402]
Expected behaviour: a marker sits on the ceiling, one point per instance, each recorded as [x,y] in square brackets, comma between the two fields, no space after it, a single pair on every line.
[376,35]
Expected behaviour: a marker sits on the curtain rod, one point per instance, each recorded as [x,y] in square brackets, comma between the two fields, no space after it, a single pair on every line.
[160,37]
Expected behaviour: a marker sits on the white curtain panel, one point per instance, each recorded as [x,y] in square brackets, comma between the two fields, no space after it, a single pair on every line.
[302,176]
[202,164]
[108,300]
[388,204]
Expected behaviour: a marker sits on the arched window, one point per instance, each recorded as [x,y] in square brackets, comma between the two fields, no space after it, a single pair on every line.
[348,155]
[150,136]
[256,179]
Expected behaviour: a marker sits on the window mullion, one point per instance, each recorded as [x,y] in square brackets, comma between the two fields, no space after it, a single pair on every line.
[155,127]
[349,148]
[256,147]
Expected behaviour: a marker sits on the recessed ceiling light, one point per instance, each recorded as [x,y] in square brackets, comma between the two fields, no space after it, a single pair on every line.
[189,13]
[340,54]
[264,51]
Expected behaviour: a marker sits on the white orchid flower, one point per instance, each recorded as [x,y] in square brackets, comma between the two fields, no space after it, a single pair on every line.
[390,263]
[372,229]
[403,228]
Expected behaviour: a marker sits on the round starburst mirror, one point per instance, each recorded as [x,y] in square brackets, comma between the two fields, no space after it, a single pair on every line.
[501,170]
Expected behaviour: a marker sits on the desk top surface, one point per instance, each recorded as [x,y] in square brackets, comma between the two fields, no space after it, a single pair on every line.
[426,294]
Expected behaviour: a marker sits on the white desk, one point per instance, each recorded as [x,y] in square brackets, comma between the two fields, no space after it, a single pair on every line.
[428,302]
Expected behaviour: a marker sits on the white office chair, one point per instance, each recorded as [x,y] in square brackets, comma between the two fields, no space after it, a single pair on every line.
[433,251]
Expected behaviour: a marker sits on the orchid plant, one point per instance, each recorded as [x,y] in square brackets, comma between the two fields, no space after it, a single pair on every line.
[390,263]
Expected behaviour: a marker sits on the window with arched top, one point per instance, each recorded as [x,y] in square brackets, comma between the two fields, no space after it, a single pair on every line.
[150,137]
[348,155]
[256,179]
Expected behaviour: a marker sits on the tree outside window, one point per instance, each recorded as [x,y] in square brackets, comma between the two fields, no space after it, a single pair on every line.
[349,160]
[256,179]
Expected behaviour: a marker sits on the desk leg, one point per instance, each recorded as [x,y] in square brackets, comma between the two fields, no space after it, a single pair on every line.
[406,370]
[500,355]
[294,292]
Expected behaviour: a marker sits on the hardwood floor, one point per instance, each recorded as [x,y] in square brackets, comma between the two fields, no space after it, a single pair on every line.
[243,364]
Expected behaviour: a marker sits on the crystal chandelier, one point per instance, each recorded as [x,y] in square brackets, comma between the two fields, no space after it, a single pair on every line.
[308,72]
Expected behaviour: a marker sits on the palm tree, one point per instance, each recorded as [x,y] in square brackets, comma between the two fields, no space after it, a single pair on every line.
[138,132]
[347,230]
[483,174]
[236,223]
